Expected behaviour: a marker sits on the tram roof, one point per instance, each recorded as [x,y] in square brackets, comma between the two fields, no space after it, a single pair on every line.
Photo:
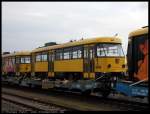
[138,32]
[17,54]
[81,42]
[22,53]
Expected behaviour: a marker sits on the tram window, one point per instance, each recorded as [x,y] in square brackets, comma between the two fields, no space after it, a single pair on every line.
[58,54]
[100,51]
[51,57]
[77,52]
[13,60]
[8,61]
[109,50]
[113,50]
[91,54]
[67,53]
[3,62]
[17,60]
[44,57]
[85,53]
[27,59]
[74,54]
[22,60]
[38,57]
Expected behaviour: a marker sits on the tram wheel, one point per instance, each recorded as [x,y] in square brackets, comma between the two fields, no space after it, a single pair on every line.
[105,93]
[86,93]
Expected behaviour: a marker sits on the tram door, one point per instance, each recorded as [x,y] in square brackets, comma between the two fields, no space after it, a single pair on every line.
[33,64]
[17,64]
[51,64]
[89,61]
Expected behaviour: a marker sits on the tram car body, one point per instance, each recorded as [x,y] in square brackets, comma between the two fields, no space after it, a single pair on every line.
[8,65]
[16,66]
[137,59]
[85,65]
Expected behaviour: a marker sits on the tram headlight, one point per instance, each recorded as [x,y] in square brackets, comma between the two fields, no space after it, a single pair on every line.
[109,65]
[123,66]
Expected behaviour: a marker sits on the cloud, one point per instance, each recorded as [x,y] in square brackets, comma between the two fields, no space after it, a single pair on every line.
[27,25]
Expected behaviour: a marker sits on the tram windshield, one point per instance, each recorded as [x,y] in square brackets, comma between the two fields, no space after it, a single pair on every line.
[113,50]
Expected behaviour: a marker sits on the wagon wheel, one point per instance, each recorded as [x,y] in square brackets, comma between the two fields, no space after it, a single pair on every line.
[86,93]
[105,93]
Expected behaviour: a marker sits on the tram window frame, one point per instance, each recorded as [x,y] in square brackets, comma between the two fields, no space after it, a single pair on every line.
[85,53]
[37,57]
[76,51]
[59,54]
[104,49]
[13,60]
[8,61]
[104,54]
[17,60]
[22,60]
[51,56]
[120,52]
[74,55]
[67,53]
[43,55]
[3,61]
[26,59]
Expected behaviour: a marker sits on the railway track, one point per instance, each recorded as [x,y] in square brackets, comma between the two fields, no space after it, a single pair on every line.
[34,105]
[8,106]
[76,101]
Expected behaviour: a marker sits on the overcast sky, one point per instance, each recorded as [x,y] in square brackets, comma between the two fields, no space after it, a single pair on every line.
[28,25]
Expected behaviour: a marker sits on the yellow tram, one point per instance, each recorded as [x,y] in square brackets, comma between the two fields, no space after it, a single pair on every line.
[86,65]
[85,58]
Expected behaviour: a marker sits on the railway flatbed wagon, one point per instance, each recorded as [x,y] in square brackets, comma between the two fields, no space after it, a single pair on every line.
[137,59]
[132,89]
